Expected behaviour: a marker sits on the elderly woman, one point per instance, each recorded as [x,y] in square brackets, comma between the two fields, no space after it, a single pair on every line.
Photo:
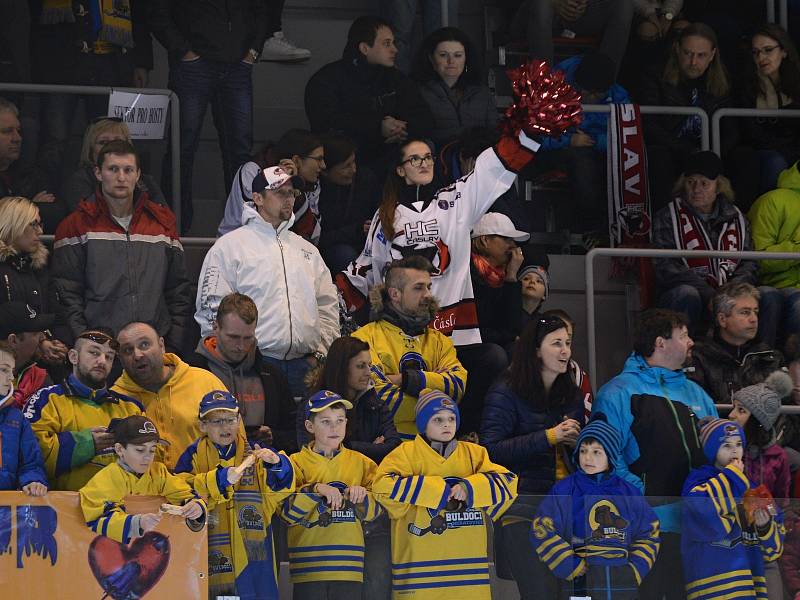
[83,183]
[533,415]
[702,216]
[451,82]
[23,264]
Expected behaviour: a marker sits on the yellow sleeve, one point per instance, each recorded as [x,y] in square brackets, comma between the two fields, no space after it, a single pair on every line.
[101,503]
[398,490]
[492,487]
[282,488]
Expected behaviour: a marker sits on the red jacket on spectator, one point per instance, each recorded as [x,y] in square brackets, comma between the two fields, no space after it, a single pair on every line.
[107,276]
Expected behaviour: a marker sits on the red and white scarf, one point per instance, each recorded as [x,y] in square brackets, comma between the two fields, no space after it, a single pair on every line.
[690,234]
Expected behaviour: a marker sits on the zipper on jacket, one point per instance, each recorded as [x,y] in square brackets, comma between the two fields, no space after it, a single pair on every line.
[677,422]
[131,272]
[288,299]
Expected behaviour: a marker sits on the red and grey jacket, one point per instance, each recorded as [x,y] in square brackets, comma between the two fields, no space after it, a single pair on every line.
[107,276]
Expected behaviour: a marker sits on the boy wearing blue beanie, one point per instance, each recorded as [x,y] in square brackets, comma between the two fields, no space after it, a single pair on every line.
[440,494]
[594,529]
[723,545]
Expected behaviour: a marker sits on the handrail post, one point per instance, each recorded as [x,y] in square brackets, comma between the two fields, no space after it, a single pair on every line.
[175,149]
[591,336]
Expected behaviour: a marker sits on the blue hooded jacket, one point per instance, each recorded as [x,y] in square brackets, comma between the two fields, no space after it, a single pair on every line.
[594,124]
[21,460]
[614,399]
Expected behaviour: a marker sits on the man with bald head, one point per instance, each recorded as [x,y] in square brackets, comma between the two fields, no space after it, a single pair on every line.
[70,419]
[168,388]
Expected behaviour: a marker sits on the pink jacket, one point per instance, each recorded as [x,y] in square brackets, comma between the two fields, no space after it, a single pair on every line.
[770,467]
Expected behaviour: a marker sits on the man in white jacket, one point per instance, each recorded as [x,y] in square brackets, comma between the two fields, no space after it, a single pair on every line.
[283,273]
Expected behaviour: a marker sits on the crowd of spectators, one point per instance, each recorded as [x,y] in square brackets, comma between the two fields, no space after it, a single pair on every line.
[381,257]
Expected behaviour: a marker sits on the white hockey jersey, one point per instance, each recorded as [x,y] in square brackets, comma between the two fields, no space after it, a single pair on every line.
[441,233]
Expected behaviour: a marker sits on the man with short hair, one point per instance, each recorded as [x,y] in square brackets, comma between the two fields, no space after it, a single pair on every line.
[733,357]
[118,259]
[169,389]
[655,407]
[23,328]
[364,95]
[230,352]
[283,273]
[70,419]
[407,355]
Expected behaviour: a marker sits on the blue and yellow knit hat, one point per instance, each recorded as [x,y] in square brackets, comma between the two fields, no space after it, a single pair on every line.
[429,403]
[713,433]
[607,436]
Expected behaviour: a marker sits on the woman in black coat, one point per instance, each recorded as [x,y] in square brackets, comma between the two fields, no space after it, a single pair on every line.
[531,418]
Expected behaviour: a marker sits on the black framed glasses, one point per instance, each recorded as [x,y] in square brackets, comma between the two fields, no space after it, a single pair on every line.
[756,52]
[99,337]
[417,161]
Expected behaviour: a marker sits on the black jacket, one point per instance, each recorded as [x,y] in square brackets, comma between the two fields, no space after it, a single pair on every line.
[499,309]
[222,30]
[353,97]
[279,409]
[371,420]
[24,278]
[343,209]
[513,431]
[721,369]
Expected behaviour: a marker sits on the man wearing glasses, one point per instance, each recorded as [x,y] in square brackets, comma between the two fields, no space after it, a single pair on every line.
[284,275]
[70,419]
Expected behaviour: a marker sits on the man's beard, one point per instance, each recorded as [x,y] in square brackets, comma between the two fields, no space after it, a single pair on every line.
[88,378]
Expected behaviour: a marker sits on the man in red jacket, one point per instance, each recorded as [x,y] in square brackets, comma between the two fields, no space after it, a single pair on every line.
[117,258]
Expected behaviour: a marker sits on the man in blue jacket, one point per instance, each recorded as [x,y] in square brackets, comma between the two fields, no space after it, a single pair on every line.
[581,151]
[655,408]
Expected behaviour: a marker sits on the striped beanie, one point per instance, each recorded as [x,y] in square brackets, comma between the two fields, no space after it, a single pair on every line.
[429,403]
[606,435]
[713,433]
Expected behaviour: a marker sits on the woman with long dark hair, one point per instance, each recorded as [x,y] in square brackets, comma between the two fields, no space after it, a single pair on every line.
[451,82]
[532,416]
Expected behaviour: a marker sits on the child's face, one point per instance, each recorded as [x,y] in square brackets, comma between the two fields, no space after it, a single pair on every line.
[592,457]
[739,414]
[6,372]
[730,449]
[138,457]
[532,286]
[328,427]
[221,426]
[441,427]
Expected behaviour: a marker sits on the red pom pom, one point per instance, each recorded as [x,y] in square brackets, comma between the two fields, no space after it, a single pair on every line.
[544,104]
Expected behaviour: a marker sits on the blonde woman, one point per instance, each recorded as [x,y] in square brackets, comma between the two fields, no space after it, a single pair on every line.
[83,183]
[23,263]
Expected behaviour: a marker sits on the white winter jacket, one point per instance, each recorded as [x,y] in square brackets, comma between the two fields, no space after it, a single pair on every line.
[298,310]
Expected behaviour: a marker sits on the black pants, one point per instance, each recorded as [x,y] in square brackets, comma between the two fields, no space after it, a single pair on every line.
[665,579]
[483,362]
[327,590]
[534,580]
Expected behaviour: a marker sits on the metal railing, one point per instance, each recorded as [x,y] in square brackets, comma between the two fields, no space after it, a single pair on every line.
[94,90]
[651,253]
[719,114]
[648,109]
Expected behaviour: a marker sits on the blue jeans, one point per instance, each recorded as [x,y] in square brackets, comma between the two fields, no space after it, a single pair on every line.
[228,87]
[779,314]
[772,163]
[295,371]
[688,300]
[401,15]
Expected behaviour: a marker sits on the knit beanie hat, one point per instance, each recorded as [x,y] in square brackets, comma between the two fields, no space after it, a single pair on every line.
[713,433]
[595,72]
[606,435]
[429,403]
[537,262]
[763,400]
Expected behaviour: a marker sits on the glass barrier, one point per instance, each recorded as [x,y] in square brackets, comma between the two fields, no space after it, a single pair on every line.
[719,541]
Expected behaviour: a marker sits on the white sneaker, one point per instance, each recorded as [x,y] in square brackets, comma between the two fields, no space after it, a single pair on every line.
[279,49]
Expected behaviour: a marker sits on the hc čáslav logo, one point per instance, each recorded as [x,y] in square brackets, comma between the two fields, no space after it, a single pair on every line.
[422,239]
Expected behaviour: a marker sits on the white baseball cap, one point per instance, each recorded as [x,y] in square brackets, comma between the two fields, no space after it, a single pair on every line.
[498,224]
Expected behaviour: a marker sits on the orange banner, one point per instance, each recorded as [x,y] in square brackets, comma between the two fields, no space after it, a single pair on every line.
[47,551]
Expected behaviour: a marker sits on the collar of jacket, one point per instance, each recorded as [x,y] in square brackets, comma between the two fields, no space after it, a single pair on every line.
[130,387]
[637,364]
[99,396]
[724,210]
[251,218]
[23,262]
[208,347]
[414,193]
[98,207]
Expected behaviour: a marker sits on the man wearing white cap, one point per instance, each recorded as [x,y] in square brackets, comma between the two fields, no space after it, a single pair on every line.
[283,274]
[495,260]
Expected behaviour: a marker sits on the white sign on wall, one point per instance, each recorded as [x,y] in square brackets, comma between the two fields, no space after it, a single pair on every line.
[144,114]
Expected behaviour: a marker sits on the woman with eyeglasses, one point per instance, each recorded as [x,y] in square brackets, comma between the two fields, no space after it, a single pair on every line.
[415,217]
[23,265]
[701,216]
[451,82]
[772,81]
[531,420]
[82,183]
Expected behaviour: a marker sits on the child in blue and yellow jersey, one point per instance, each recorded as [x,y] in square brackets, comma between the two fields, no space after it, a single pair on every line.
[723,555]
[440,494]
[243,494]
[595,529]
[326,539]
[135,473]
